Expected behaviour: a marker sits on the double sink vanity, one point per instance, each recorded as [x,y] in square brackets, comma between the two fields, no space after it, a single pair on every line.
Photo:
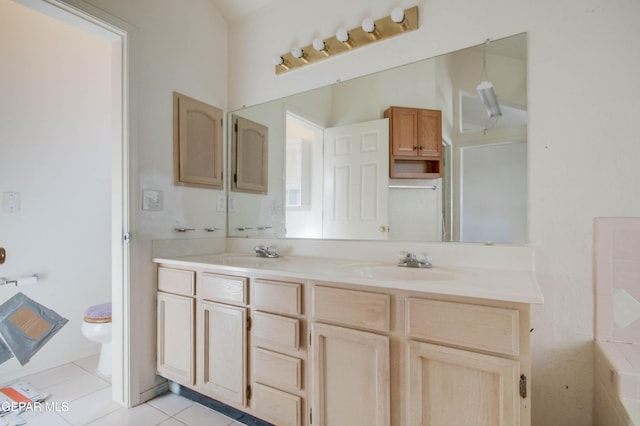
[306,340]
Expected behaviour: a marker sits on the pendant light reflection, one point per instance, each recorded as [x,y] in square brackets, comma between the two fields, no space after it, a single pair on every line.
[486,91]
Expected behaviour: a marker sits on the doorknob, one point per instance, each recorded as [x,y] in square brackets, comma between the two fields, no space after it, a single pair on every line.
[3,255]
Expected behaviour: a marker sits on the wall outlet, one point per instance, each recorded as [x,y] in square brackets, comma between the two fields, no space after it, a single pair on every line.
[11,201]
[152,200]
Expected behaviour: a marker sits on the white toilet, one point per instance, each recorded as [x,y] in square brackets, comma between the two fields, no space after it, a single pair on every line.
[97,327]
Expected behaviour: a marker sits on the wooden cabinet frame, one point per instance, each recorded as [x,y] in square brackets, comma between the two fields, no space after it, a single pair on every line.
[197,143]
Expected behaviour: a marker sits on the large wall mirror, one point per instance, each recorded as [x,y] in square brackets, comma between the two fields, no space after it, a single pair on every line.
[481,195]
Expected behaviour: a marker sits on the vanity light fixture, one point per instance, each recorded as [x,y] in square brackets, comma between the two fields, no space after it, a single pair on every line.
[278,61]
[397,15]
[320,46]
[370,31]
[369,27]
[486,90]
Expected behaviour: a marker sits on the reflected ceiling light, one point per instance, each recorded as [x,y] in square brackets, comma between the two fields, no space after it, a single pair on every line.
[486,90]
[488,96]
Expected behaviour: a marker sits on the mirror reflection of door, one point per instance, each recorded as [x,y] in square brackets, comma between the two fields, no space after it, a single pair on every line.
[356,181]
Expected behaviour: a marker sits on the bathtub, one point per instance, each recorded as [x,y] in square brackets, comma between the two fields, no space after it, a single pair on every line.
[617,384]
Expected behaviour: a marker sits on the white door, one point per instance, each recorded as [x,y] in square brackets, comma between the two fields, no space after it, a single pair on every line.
[356,181]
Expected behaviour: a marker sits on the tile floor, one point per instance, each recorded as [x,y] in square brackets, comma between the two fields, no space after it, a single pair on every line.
[84,398]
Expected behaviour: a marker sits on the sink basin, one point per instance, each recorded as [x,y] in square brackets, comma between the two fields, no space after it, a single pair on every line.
[248,260]
[387,272]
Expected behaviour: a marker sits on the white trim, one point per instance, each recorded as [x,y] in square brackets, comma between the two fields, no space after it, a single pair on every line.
[96,21]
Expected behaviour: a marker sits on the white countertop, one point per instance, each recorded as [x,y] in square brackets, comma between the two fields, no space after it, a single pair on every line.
[496,284]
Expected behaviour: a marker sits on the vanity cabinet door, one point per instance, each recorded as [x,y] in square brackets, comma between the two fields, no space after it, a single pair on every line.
[222,351]
[455,387]
[350,377]
[175,338]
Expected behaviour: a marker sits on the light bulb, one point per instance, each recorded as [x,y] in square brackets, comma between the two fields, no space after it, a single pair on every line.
[297,52]
[368,25]
[277,60]
[342,35]
[318,44]
[397,15]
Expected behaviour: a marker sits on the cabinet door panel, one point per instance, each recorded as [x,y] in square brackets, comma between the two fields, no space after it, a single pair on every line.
[429,133]
[404,127]
[280,408]
[222,349]
[175,359]
[350,377]
[455,387]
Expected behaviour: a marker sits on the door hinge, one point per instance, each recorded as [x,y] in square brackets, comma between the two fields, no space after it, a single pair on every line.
[126,237]
[309,337]
[235,127]
[248,323]
[310,415]
[248,392]
[523,386]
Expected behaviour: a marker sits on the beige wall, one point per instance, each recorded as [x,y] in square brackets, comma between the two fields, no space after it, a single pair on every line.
[181,47]
[583,141]
[56,141]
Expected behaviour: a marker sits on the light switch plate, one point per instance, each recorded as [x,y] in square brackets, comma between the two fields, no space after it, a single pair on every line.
[11,201]
[221,206]
[152,200]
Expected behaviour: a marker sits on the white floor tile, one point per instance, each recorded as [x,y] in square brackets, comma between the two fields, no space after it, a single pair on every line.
[47,418]
[75,388]
[54,375]
[171,422]
[198,415]
[91,407]
[136,416]
[170,403]
[90,363]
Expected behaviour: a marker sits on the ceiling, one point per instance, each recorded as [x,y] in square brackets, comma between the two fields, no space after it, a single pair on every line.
[231,10]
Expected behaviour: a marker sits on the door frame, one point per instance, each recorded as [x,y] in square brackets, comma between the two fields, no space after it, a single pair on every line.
[93,20]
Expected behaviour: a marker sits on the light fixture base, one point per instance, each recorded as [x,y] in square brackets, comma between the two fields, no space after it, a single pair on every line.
[385,28]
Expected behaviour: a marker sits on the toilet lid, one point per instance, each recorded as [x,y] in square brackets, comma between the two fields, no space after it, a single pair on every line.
[98,313]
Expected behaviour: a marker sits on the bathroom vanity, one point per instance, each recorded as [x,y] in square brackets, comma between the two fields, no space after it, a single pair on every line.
[318,341]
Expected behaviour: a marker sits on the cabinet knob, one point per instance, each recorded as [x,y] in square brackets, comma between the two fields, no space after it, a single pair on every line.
[382,229]
[3,255]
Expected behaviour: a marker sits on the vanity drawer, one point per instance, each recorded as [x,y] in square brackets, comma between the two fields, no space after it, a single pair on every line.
[176,281]
[225,288]
[277,370]
[477,327]
[277,407]
[277,296]
[274,330]
[352,307]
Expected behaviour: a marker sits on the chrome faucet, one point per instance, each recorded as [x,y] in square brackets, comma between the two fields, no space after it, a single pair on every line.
[264,251]
[410,260]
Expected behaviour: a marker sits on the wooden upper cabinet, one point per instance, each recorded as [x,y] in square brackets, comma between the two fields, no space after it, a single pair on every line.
[197,135]
[416,142]
[429,133]
[250,157]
